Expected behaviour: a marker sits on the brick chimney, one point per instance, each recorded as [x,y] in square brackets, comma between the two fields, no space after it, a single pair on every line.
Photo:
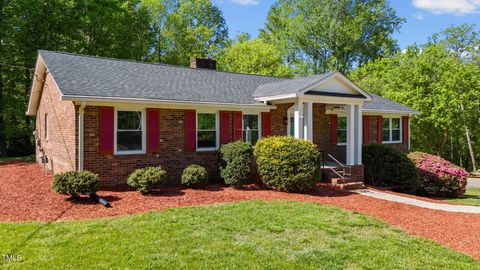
[206,63]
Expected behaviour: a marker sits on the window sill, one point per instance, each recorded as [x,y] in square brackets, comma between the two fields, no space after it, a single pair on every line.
[341,144]
[212,149]
[127,153]
[391,142]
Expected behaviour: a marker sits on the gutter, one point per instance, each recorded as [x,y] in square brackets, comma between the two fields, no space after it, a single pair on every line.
[158,101]
[81,112]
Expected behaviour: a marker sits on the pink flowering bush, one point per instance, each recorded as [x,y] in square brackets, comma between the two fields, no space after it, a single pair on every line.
[438,176]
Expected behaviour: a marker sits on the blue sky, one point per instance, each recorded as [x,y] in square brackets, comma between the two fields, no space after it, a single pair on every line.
[424,17]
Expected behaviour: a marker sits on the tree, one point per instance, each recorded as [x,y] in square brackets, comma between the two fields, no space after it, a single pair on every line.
[253,57]
[322,35]
[195,28]
[430,79]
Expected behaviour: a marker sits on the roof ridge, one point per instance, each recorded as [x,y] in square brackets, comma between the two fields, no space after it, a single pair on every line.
[160,64]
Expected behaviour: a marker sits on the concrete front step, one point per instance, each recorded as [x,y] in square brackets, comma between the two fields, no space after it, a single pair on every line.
[337,181]
[351,185]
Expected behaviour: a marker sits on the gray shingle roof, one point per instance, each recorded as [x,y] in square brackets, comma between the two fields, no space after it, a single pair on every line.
[385,105]
[101,77]
[288,86]
[80,75]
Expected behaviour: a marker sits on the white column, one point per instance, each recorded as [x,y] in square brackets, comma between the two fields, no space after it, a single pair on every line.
[308,121]
[298,121]
[358,134]
[350,149]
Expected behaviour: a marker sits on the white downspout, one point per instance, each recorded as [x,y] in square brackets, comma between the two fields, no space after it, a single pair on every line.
[81,111]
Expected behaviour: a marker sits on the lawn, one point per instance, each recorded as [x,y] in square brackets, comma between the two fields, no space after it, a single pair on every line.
[8,159]
[471,197]
[241,235]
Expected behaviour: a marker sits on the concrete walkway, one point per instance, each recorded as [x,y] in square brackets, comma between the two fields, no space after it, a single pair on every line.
[420,203]
[473,183]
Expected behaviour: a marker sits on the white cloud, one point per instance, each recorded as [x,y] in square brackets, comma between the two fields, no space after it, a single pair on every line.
[458,7]
[246,2]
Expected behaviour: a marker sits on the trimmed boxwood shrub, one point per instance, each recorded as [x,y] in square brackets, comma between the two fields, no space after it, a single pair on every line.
[194,174]
[287,164]
[438,176]
[236,166]
[75,183]
[387,166]
[146,179]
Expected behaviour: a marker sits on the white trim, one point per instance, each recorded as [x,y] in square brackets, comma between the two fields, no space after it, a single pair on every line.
[160,102]
[276,97]
[298,119]
[144,132]
[81,111]
[217,131]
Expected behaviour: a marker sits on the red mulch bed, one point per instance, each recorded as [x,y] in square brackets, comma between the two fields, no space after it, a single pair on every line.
[26,195]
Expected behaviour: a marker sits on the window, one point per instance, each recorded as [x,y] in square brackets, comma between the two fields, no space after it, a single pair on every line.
[250,128]
[342,130]
[391,130]
[130,132]
[46,126]
[206,131]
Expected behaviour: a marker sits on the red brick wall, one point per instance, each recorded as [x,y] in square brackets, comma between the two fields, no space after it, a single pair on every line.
[60,147]
[172,157]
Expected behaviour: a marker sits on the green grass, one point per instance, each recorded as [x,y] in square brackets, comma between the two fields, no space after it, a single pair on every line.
[27,159]
[242,235]
[471,197]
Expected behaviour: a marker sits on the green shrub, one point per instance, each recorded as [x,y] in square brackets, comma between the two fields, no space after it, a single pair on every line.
[236,157]
[146,179]
[74,183]
[287,164]
[194,174]
[387,166]
[438,176]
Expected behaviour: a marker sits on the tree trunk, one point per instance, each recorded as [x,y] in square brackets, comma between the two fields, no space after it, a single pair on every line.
[469,141]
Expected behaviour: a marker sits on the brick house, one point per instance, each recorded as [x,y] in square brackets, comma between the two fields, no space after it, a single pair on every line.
[112,116]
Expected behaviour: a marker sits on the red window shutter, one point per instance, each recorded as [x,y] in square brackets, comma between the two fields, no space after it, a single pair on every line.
[366,129]
[190,130]
[237,126]
[153,130]
[225,127]
[266,124]
[334,129]
[106,130]
[405,130]
[379,128]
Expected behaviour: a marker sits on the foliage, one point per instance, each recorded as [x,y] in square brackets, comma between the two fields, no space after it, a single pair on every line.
[253,57]
[75,183]
[438,176]
[169,31]
[387,166]
[194,174]
[241,235]
[323,35]
[287,164]
[236,167]
[436,81]
[146,179]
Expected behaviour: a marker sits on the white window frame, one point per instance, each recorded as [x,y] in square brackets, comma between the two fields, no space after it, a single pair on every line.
[259,128]
[217,132]
[390,129]
[342,143]
[144,132]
